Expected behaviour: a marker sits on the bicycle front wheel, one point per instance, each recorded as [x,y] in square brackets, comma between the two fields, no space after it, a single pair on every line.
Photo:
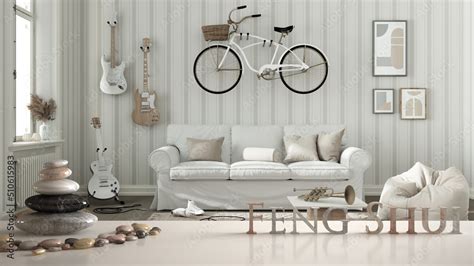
[304,81]
[215,73]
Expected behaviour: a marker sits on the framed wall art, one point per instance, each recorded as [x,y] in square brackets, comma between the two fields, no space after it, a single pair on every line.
[413,103]
[383,101]
[389,48]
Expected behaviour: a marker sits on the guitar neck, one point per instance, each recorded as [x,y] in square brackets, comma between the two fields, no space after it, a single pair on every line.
[100,146]
[145,71]
[112,47]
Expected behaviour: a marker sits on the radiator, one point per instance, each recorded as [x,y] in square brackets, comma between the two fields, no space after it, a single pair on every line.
[28,173]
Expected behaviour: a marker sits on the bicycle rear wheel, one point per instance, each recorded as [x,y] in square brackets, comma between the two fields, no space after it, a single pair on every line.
[210,77]
[306,81]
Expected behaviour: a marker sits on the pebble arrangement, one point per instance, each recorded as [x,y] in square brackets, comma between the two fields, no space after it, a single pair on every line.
[56,209]
[58,212]
[122,234]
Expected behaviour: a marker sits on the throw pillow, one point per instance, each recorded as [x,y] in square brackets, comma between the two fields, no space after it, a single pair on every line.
[300,148]
[329,146]
[261,154]
[204,150]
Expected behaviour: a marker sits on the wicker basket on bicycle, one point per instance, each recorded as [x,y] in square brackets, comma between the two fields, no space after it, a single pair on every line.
[216,32]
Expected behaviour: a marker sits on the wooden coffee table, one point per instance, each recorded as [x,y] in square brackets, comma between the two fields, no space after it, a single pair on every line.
[325,203]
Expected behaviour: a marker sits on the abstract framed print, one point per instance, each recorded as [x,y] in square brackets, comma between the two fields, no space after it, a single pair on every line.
[413,103]
[389,48]
[383,101]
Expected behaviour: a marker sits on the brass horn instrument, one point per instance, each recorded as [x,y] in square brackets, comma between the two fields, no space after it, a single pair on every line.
[324,192]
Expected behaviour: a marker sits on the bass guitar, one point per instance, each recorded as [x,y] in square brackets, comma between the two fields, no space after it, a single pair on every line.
[145,112]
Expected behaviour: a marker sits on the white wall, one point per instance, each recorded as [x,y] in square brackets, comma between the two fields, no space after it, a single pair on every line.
[439,59]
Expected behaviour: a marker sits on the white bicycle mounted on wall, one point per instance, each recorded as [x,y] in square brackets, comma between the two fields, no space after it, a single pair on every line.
[302,68]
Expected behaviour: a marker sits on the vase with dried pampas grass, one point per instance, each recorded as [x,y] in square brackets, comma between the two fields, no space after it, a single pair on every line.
[43,111]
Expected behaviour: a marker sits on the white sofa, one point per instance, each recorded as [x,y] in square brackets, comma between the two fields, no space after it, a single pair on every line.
[233,183]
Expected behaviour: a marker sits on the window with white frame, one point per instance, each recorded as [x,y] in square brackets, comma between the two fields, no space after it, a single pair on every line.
[24,62]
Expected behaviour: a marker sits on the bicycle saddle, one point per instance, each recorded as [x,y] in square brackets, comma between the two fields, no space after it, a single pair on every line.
[284,30]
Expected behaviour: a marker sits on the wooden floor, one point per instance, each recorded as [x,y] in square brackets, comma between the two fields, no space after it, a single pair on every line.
[145,202]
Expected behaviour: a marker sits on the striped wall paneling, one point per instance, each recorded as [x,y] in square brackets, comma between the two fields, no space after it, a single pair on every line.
[439,59]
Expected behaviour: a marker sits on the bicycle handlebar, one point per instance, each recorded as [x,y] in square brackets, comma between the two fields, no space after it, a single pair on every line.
[236,23]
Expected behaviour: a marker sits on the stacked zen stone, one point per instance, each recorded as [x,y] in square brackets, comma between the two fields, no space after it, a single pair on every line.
[57,209]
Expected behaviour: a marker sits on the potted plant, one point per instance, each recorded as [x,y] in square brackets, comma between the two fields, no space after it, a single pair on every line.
[43,111]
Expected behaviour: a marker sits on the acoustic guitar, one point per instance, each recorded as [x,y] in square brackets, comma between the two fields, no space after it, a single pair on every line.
[145,112]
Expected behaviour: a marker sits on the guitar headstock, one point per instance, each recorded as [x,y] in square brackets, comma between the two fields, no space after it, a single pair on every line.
[146,45]
[96,122]
[113,21]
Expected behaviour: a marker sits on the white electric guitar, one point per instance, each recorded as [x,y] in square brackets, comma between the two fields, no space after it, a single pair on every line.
[113,80]
[103,184]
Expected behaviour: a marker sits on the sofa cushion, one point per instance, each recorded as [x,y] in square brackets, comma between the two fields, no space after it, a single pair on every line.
[314,130]
[205,149]
[314,170]
[262,154]
[259,170]
[329,145]
[300,148]
[255,136]
[200,170]
[177,135]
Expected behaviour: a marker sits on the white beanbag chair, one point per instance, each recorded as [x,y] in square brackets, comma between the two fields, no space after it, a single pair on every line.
[424,187]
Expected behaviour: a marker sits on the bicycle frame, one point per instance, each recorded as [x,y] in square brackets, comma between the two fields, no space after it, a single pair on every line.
[272,66]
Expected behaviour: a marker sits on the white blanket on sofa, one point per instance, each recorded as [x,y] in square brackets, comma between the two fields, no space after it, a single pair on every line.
[424,187]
